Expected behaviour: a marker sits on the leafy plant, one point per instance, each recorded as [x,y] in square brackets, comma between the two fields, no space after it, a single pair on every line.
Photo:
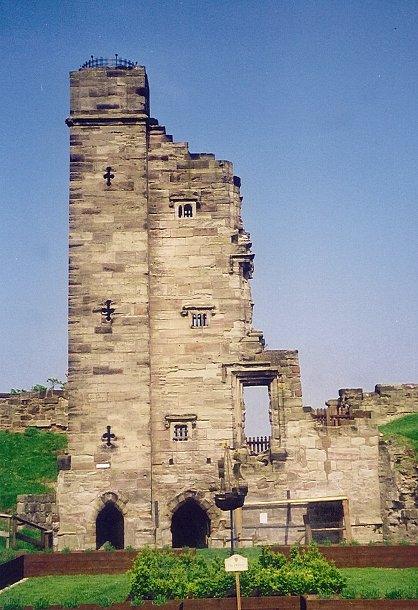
[164,575]
[108,546]
[53,381]
[39,388]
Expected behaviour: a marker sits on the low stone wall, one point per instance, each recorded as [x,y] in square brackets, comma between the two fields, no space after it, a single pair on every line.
[47,410]
[40,509]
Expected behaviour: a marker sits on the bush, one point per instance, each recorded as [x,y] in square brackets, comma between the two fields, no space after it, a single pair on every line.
[164,575]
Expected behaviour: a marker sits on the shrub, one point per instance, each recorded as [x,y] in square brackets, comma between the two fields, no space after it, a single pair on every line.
[164,575]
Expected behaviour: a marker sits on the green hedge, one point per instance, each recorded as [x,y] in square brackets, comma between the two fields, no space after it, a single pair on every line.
[162,575]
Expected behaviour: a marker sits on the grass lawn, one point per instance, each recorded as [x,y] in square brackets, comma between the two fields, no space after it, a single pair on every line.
[378,582]
[112,588]
[84,589]
[28,462]
[404,430]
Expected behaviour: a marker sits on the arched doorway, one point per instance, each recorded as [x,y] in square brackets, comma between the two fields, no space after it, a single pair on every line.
[109,527]
[190,526]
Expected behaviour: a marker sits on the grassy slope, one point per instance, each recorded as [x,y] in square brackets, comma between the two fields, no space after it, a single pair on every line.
[27,463]
[404,430]
[115,587]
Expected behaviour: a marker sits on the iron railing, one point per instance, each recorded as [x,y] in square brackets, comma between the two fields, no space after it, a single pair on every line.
[103,62]
[258,444]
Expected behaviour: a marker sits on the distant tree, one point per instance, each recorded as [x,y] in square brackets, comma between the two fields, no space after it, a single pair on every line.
[53,381]
[39,388]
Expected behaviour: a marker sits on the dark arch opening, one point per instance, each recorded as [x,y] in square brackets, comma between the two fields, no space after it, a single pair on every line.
[109,527]
[190,526]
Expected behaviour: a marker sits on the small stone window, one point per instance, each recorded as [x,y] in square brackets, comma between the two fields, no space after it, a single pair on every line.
[199,320]
[181,432]
[186,209]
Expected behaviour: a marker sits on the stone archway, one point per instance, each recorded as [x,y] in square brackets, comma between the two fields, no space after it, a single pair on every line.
[190,525]
[110,527]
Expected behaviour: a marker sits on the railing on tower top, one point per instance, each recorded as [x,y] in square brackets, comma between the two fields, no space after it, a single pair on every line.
[103,62]
[258,444]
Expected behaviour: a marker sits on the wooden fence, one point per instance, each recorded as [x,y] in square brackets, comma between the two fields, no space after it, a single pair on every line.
[13,532]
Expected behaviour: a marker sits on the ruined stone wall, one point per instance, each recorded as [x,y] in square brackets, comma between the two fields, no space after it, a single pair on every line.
[399,491]
[161,343]
[46,410]
[109,361]
[384,404]
[40,509]
[200,264]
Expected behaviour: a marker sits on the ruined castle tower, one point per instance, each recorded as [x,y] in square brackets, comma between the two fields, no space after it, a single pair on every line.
[161,343]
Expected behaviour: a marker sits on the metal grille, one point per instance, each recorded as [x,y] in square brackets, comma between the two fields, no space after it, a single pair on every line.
[103,62]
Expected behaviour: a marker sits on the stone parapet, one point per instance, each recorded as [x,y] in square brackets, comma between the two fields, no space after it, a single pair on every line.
[47,410]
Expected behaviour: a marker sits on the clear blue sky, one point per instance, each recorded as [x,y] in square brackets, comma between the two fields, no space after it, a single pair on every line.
[316,105]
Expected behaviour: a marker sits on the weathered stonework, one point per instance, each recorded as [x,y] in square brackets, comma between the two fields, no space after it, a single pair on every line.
[399,491]
[161,347]
[382,405]
[46,410]
[40,509]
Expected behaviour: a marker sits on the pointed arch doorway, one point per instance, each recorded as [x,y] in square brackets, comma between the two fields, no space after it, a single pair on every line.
[110,526]
[190,526]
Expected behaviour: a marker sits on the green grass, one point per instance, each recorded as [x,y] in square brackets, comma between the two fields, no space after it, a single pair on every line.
[27,463]
[380,580]
[113,588]
[58,590]
[404,430]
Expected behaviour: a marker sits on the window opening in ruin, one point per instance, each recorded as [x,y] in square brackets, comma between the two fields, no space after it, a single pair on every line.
[190,526]
[110,527]
[199,320]
[257,424]
[324,521]
[181,432]
[185,210]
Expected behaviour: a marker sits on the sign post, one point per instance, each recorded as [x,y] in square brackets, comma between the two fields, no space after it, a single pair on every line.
[237,564]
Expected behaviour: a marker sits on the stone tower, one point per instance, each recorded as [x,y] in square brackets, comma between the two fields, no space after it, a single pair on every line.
[161,344]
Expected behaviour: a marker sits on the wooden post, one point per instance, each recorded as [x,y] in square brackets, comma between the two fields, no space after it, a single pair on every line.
[14,530]
[347,520]
[308,529]
[238,525]
[238,587]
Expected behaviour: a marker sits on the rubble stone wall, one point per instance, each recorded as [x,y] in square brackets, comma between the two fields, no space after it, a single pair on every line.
[398,491]
[40,509]
[46,410]
[384,404]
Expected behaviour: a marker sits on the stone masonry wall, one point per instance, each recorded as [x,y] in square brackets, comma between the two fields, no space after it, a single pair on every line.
[47,410]
[384,404]
[399,491]
[40,509]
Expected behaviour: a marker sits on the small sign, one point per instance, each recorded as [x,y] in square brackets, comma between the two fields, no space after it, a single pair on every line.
[263,518]
[105,465]
[236,563]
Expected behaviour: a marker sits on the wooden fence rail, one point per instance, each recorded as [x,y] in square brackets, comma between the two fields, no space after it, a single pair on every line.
[13,533]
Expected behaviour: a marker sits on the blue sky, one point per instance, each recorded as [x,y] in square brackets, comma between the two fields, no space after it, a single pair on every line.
[315,103]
